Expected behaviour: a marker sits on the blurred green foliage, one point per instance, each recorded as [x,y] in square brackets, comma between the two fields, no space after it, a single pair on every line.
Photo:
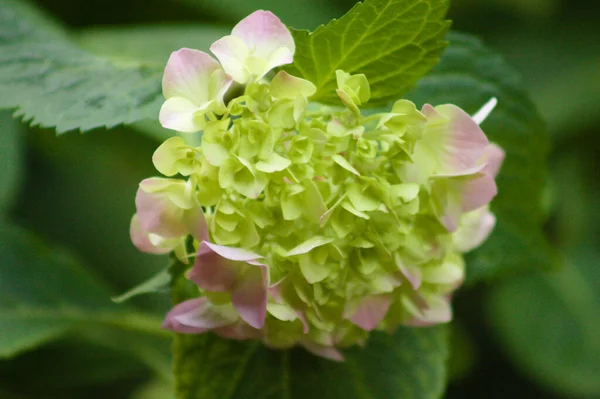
[535,335]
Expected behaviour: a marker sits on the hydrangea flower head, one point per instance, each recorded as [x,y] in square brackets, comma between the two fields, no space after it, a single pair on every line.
[315,227]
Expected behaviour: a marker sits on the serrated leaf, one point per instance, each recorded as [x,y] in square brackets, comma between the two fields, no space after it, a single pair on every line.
[44,293]
[469,75]
[393,42]
[53,83]
[407,365]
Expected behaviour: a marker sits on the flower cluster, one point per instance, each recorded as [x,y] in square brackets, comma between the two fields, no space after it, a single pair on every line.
[311,225]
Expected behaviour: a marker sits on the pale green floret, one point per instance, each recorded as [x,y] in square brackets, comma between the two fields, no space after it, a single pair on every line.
[323,195]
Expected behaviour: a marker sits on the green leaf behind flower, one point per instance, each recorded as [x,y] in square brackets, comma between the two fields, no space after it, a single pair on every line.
[468,75]
[53,83]
[45,293]
[409,364]
[393,42]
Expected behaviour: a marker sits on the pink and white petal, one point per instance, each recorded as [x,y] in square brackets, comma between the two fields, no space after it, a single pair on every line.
[264,33]
[493,156]
[195,222]
[231,253]
[458,144]
[473,230]
[326,352]
[140,238]
[452,212]
[371,311]
[158,215]
[179,113]
[212,272]
[281,56]
[477,192]
[438,311]
[205,315]
[170,323]
[187,75]
[249,296]
[232,53]
[220,82]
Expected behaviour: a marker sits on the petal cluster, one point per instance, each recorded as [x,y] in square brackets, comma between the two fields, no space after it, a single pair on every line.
[311,225]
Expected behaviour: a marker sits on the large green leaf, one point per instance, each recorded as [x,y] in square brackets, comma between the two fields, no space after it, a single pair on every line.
[393,42]
[468,75]
[44,293]
[11,162]
[409,364]
[54,83]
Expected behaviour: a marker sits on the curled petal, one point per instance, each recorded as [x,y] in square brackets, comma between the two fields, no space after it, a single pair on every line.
[197,316]
[158,215]
[169,209]
[140,239]
[454,139]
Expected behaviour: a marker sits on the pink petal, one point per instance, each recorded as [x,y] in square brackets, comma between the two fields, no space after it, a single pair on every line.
[493,156]
[232,53]
[327,352]
[211,271]
[477,192]
[264,34]
[197,316]
[370,311]
[249,296]
[140,239]
[158,215]
[458,142]
[188,74]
